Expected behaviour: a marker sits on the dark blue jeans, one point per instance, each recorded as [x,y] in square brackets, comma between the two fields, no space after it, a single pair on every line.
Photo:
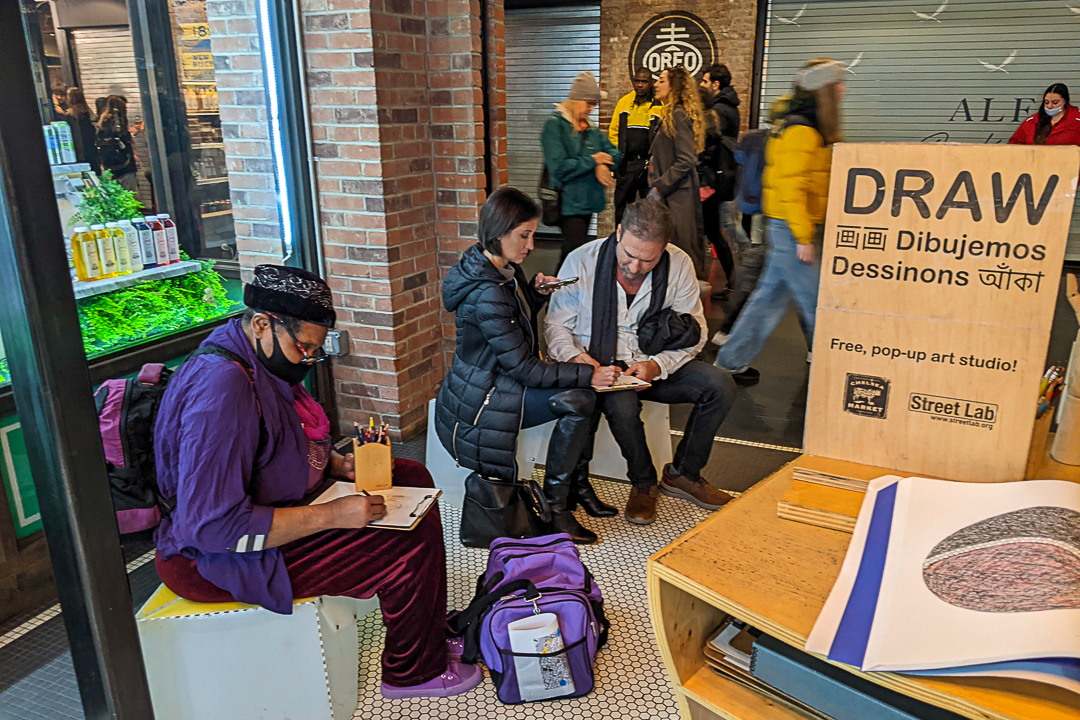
[537,409]
[709,389]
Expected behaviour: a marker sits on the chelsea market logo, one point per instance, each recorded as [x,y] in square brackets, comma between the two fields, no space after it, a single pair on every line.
[673,39]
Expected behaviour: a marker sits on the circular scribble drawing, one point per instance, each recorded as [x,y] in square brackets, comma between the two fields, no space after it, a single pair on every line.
[1020,561]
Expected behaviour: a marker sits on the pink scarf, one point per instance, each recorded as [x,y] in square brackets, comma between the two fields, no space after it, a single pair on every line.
[317,429]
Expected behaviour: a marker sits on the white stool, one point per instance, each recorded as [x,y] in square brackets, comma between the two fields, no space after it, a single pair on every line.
[532,447]
[231,661]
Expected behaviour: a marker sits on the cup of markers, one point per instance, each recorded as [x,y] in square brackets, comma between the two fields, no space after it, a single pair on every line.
[1050,388]
[374,461]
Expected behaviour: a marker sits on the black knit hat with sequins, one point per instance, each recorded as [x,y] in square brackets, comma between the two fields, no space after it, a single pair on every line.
[293,292]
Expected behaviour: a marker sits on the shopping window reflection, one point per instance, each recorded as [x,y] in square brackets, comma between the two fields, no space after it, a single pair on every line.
[141,174]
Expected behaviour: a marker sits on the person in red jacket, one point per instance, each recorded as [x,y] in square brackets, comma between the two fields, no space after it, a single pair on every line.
[1056,123]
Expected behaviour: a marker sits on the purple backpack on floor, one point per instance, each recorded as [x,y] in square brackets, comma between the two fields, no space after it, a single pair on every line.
[127,411]
[526,578]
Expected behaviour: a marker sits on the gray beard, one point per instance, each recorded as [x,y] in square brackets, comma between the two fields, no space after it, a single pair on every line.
[631,277]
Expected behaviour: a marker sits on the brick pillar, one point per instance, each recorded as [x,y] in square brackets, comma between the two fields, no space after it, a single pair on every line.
[397,120]
[454,57]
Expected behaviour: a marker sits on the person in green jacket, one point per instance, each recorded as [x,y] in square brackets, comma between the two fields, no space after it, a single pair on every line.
[579,160]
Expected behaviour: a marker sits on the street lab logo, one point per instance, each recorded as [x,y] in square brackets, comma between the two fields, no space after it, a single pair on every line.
[956,411]
[866,395]
[673,39]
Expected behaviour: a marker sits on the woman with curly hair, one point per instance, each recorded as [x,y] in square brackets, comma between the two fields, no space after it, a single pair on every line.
[673,174]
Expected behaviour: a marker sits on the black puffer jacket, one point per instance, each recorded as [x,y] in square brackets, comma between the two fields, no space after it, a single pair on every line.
[478,412]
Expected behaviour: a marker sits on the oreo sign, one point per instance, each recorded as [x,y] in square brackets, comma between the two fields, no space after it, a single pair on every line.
[672,39]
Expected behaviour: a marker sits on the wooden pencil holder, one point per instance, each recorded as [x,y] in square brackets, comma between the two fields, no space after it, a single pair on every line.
[374,466]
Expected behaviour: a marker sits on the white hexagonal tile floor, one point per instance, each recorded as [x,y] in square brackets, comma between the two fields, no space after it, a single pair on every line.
[630,678]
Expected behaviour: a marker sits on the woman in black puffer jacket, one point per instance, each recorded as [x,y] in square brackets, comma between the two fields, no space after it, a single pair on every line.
[499,384]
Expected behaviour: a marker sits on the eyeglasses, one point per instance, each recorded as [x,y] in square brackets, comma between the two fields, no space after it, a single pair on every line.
[310,358]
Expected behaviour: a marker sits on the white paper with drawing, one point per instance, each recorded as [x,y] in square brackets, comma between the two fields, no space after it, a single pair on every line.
[405,506]
[979,573]
[828,621]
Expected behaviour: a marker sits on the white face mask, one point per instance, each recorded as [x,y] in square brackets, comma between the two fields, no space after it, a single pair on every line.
[1052,111]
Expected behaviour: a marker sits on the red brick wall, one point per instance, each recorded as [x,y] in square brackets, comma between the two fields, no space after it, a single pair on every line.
[396,103]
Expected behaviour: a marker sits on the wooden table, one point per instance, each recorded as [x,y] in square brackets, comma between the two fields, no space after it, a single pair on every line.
[775,574]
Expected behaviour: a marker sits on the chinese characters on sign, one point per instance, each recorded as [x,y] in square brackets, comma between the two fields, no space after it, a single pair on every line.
[872,238]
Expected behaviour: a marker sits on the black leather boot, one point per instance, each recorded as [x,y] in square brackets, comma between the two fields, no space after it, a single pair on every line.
[565,522]
[582,493]
[574,410]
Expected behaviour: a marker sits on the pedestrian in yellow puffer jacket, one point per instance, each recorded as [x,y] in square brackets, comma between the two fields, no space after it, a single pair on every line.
[795,191]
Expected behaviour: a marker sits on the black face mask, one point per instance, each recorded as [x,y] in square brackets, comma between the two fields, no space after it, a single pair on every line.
[279,365]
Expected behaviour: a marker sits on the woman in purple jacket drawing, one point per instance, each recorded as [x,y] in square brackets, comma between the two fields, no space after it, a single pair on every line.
[239,442]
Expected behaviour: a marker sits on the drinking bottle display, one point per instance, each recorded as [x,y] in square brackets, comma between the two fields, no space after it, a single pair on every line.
[146,242]
[84,249]
[52,144]
[161,242]
[106,251]
[131,235]
[170,237]
[120,247]
[65,142]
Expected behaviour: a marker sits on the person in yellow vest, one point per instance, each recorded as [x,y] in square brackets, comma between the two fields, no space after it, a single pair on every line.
[795,190]
[631,123]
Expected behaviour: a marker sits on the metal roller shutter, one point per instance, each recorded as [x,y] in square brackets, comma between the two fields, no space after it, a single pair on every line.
[931,70]
[545,50]
[105,65]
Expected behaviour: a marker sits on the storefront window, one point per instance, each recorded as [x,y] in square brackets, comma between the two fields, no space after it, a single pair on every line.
[142,174]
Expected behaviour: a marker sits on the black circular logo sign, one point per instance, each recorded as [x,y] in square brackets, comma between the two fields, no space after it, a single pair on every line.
[673,39]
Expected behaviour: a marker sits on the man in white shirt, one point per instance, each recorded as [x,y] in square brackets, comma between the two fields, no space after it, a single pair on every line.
[597,321]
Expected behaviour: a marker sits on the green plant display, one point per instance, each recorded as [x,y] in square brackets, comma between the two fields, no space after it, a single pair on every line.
[152,308]
[107,203]
[5,373]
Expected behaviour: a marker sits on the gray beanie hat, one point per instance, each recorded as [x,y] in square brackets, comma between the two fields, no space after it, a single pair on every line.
[818,76]
[586,89]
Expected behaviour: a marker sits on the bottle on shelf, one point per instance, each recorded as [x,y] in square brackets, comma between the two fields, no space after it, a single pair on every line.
[84,249]
[171,238]
[131,236]
[161,242]
[123,254]
[146,242]
[66,144]
[106,251]
[52,144]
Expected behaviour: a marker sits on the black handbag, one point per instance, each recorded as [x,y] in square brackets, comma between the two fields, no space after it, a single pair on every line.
[494,509]
[550,200]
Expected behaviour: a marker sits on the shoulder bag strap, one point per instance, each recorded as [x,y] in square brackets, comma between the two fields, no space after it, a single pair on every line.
[467,623]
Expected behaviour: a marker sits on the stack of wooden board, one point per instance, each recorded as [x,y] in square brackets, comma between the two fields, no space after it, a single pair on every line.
[828,493]
[821,505]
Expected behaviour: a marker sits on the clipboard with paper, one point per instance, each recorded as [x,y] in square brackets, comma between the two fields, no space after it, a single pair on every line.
[405,506]
[625,382]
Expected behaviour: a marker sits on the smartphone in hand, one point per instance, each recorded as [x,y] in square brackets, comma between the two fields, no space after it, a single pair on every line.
[559,284]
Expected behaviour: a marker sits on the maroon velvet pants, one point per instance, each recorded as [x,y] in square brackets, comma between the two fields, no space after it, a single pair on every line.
[406,570]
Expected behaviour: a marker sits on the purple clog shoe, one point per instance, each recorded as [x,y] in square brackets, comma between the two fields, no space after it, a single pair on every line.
[456,679]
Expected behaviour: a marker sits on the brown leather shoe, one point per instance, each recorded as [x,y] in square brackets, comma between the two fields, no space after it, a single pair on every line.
[697,491]
[641,507]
